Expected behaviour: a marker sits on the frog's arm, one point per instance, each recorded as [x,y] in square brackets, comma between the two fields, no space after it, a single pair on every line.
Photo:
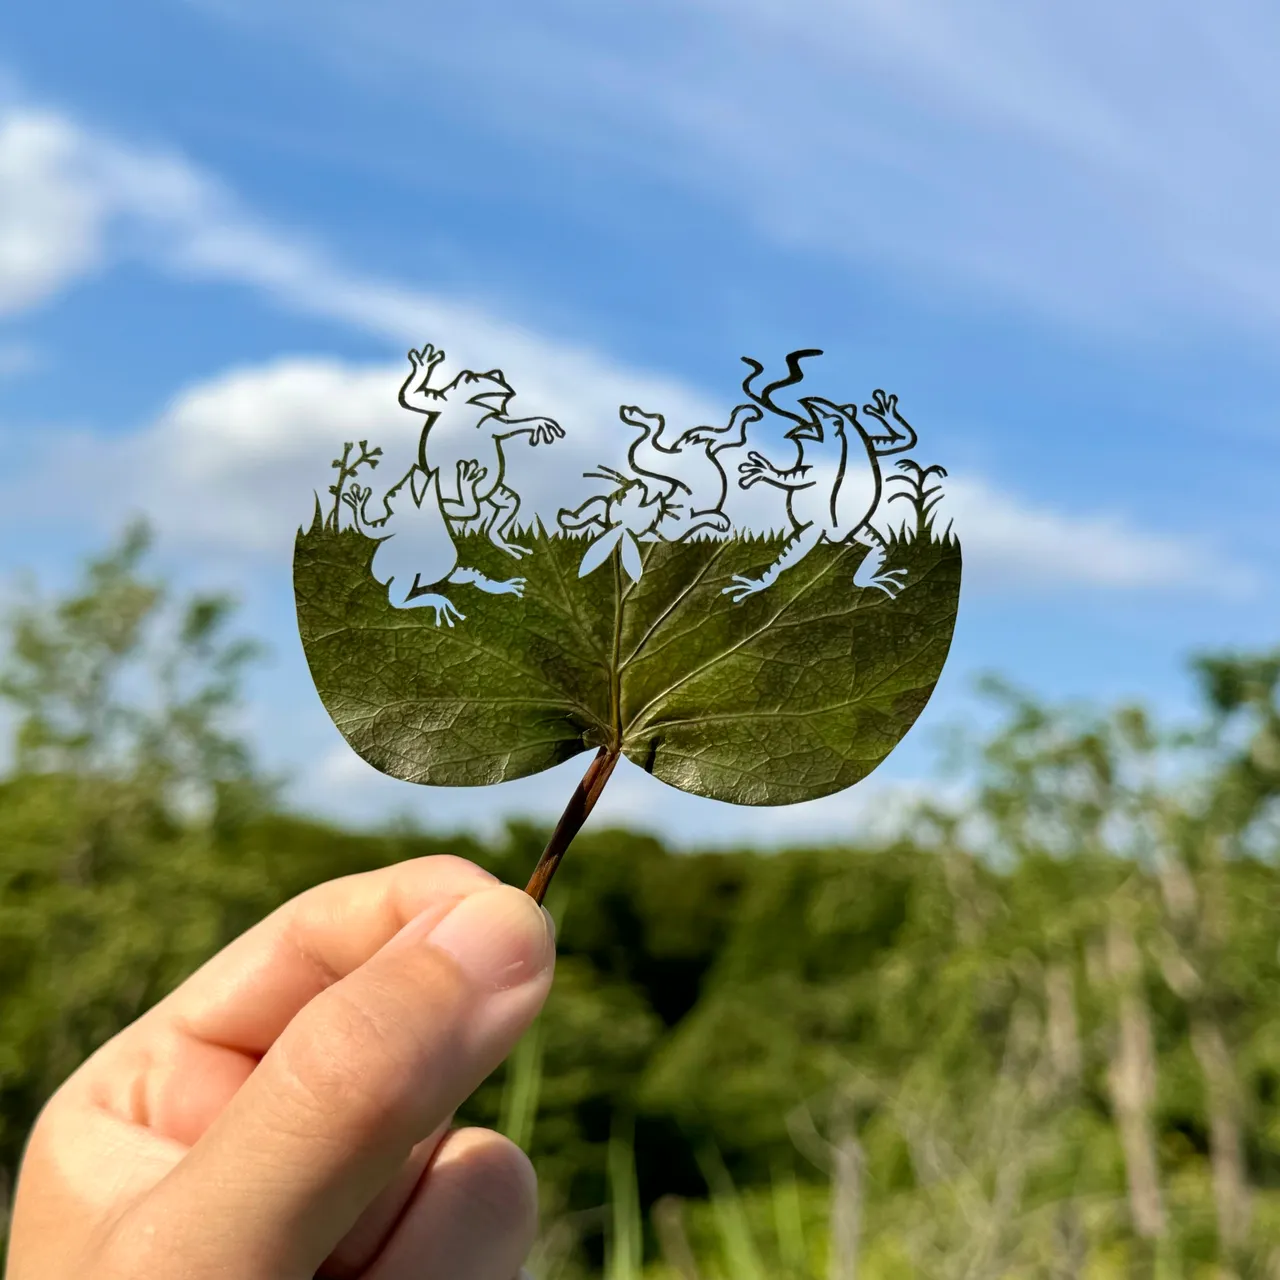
[537,428]
[467,504]
[760,468]
[895,440]
[507,427]
[421,398]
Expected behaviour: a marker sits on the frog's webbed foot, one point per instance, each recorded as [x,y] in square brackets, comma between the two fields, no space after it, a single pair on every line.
[872,573]
[890,581]
[741,587]
[507,587]
[446,611]
[696,522]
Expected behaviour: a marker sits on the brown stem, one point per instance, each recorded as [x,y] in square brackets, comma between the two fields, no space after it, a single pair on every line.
[575,814]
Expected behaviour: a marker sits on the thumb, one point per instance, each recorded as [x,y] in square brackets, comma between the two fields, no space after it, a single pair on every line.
[371,1066]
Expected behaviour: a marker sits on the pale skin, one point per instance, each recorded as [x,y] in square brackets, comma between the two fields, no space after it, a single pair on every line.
[285,1113]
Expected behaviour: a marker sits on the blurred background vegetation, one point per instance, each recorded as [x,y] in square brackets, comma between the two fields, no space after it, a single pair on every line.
[1038,1035]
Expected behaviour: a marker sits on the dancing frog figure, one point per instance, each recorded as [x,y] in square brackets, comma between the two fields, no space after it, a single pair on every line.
[467,423]
[834,488]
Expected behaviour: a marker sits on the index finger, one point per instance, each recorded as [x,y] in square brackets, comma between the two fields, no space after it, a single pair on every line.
[245,996]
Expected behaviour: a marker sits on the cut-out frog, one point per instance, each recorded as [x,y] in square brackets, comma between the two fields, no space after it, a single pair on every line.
[834,488]
[688,464]
[641,506]
[467,422]
[416,553]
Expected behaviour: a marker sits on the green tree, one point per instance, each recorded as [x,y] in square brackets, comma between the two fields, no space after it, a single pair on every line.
[128,781]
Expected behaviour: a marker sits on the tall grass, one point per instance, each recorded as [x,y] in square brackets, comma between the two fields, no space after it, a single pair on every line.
[738,1255]
[777,1233]
[950,1226]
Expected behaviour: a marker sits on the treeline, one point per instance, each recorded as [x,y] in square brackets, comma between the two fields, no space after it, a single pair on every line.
[1035,1036]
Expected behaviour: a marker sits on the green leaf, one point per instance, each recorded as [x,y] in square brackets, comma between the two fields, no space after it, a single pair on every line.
[797,692]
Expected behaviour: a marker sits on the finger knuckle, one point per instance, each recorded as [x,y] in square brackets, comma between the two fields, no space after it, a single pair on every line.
[328,1060]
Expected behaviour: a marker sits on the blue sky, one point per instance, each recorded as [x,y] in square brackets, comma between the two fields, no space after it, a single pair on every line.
[1050,229]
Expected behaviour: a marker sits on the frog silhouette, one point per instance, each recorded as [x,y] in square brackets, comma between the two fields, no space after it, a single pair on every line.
[416,554]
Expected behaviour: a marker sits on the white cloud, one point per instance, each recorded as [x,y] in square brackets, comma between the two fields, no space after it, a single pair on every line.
[232,464]
[234,460]
[50,216]
[1008,540]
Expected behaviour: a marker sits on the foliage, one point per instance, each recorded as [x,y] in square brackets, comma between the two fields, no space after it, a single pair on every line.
[1036,1036]
[128,782]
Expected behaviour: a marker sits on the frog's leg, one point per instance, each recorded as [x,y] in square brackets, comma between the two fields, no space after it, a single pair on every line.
[505,503]
[871,572]
[593,512]
[418,596]
[699,520]
[793,551]
[507,587]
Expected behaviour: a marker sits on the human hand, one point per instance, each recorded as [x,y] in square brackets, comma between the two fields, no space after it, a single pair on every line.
[285,1112]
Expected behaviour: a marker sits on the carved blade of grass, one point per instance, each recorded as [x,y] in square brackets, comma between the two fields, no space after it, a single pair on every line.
[336,488]
[924,527]
[737,1245]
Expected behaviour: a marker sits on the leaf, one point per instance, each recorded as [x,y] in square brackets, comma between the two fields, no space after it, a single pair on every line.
[795,693]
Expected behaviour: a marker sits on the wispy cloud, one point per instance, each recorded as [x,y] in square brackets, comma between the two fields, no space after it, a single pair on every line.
[50,219]
[1011,541]
[220,465]
[232,464]
[1094,163]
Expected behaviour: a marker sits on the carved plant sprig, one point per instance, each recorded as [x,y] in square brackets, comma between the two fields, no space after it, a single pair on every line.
[346,471]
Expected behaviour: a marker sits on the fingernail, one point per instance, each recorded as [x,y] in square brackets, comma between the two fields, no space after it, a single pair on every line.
[500,937]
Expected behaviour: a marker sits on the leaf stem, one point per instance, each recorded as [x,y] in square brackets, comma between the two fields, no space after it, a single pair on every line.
[575,814]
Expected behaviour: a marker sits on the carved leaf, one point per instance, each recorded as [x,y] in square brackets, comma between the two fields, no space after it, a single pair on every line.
[795,693]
